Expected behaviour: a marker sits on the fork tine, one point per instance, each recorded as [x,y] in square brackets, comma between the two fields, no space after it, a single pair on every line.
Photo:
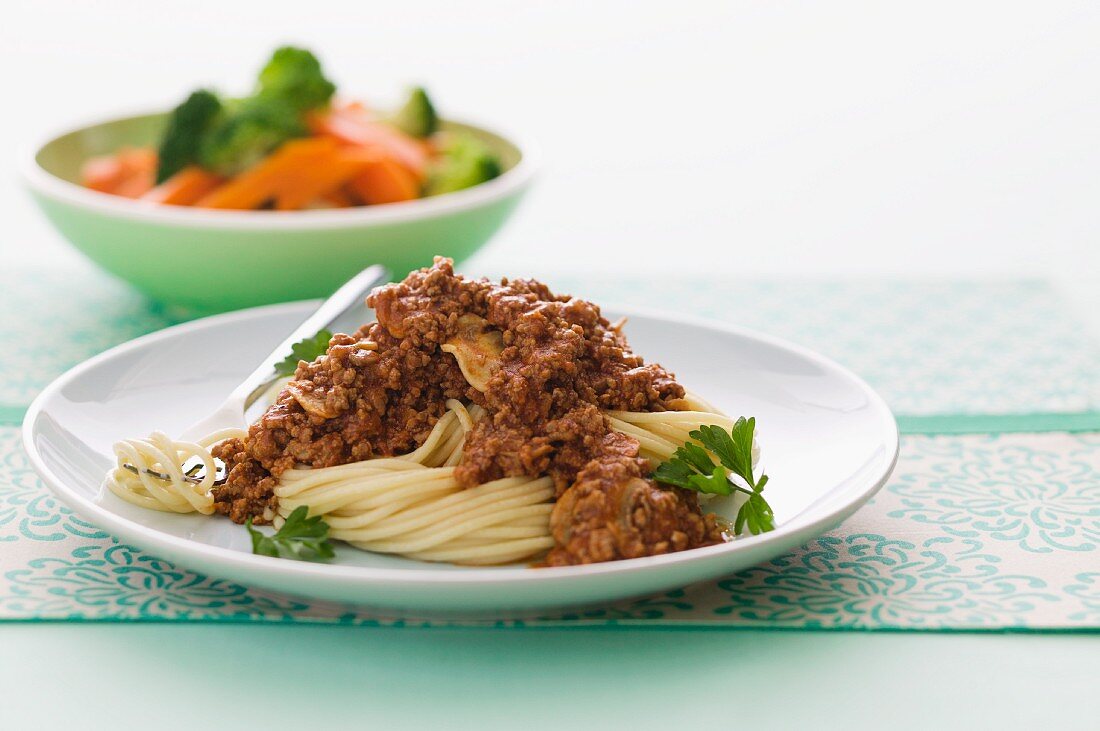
[193,475]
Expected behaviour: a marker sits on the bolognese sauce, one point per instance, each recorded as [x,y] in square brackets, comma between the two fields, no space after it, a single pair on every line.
[545,367]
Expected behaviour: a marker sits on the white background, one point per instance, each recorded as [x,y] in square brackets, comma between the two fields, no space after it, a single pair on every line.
[755,138]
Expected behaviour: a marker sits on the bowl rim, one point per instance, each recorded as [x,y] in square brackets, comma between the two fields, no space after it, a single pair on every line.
[42,182]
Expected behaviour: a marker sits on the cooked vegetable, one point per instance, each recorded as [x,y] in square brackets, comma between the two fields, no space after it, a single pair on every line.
[245,136]
[352,127]
[313,183]
[417,116]
[384,180]
[290,84]
[263,183]
[130,172]
[307,349]
[302,538]
[294,77]
[464,162]
[692,468]
[287,146]
[184,188]
[187,126]
[339,198]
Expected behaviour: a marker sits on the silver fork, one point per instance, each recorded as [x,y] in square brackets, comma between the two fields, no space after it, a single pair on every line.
[346,304]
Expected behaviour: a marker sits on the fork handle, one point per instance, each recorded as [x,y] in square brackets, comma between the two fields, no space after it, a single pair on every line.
[350,295]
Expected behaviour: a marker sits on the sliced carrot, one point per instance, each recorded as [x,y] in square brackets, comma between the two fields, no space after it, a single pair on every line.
[184,188]
[320,204]
[338,198]
[317,180]
[130,172]
[384,180]
[358,109]
[268,178]
[135,186]
[293,177]
[102,173]
[352,127]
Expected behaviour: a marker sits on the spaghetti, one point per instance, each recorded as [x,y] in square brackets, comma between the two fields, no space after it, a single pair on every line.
[410,505]
[661,433]
[173,490]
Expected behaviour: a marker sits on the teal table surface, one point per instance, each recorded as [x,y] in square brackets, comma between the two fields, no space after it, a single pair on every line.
[171,677]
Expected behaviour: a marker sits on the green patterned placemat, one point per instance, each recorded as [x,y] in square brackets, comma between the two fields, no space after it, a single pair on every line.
[974,531]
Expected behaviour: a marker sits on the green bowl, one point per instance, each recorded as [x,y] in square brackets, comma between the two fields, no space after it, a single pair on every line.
[213,260]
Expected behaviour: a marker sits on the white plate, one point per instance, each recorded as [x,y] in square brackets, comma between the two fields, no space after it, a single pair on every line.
[828,441]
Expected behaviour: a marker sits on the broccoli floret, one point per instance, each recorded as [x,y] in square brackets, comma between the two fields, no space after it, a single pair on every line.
[289,85]
[230,137]
[417,116]
[464,162]
[187,125]
[251,130]
[294,75]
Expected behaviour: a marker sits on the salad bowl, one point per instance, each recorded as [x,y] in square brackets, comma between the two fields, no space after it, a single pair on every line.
[217,260]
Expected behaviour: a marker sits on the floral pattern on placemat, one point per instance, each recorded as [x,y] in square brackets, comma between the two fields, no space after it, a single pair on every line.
[1040,500]
[1086,589]
[887,567]
[112,580]
[868,580]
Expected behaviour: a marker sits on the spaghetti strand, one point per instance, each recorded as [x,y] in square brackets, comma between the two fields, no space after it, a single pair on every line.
[409,505]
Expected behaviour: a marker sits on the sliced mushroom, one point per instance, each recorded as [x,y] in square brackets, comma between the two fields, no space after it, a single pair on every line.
[477,348]
[314,403]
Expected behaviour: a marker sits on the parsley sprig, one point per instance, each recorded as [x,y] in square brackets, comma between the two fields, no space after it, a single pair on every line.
[307,349]
[691,467]
[302,538]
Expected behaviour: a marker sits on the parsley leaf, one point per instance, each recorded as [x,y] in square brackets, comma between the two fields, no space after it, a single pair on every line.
[301,538]
[692,468]
[307,349]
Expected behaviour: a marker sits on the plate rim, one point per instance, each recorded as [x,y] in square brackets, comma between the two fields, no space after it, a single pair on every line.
[154,540]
